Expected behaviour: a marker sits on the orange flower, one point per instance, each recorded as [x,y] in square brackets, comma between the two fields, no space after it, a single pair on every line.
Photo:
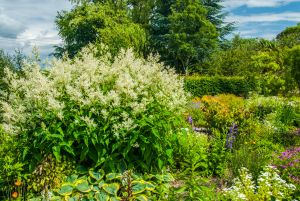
[14,194]
[18,183]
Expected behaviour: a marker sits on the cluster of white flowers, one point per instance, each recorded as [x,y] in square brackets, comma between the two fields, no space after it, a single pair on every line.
[118,91]
[270,185]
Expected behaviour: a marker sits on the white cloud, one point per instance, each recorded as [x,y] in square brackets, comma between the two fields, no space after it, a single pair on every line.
[265,17]
[231,4]
[9,27]
[28,23]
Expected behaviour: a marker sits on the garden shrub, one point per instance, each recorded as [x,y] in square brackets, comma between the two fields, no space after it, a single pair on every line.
[199,86]
[190,152]
[11,165]
[113,115]
[217,111]
[254,156]
[96,185]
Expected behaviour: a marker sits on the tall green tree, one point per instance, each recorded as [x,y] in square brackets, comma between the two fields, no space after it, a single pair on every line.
[182,34]
[192,37]
[216,16]
[98,23]
[290,36]
[293,61]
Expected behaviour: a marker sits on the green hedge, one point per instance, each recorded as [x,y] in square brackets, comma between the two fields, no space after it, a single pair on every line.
[199,86]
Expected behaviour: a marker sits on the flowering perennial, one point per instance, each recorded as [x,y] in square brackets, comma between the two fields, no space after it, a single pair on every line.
[270,186]
[90,103]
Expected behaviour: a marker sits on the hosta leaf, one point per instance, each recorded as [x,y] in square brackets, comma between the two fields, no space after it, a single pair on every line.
[96,175]
[115,199]
[73,199]
[111,188]
[55,198]
[96,188]
[72,178]
[112,176]
[101,183]
[82,186]
[102,196]
[81,170]
[149,186]
[142,198]
[138,187]
[65,190]
[141,186]
[165,177]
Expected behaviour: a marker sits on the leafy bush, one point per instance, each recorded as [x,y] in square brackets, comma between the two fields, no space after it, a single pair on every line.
[254,156]
[190,151]
[200,85]
[269,187]
[98,186]
[111,115]
[11,166]
[222,110]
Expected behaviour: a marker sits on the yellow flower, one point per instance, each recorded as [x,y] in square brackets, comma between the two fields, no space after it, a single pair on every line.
[14,194]
[18,183]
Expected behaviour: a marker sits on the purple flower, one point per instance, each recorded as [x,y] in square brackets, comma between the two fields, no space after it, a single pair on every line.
[190,119]
[231,135]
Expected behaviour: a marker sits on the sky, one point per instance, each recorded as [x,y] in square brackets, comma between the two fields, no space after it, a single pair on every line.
[28,23]
[262,18]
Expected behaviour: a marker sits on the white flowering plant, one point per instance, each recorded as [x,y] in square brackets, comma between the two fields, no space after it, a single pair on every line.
[270,186]
[108,114]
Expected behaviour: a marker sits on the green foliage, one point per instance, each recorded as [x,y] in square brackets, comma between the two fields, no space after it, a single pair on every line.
[12,62]
[253,155]
[49,174]
[202,85]
[191,36]
[290,36]
[269,187]
[113,186]
[108,114]
[217,155]
[98,23]
[288,164]
[191,152]
[292,60]
[233,60]
[216,16]
[10,163]
[259,60]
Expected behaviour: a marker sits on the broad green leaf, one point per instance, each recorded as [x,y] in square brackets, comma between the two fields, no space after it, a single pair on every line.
[160,163]
[112,176]
[141,186]
[72,178]
[96,188]
[102,196]
[55,198]
[111,188]
[81,170]
[73,199]
[96,175]
[149,186]
[138,187]
[142,197]
[115,199]
[82,186]
[56,152]
[101,183]
[65,190]
[165,177]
